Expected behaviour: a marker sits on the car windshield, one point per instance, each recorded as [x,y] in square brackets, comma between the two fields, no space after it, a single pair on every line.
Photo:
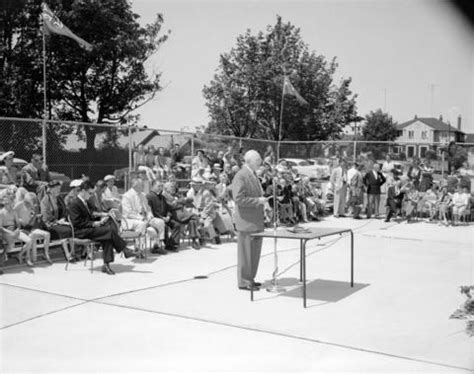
[303,163]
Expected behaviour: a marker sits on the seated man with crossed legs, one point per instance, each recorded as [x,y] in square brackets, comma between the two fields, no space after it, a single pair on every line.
[137,215]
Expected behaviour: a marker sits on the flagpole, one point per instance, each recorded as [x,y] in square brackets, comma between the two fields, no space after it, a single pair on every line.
[45,110]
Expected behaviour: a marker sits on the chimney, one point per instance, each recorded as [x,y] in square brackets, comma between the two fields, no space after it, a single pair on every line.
[416,117]
[441,117]
[459,123]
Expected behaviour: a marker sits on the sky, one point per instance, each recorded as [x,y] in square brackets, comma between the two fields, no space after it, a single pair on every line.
[404,56]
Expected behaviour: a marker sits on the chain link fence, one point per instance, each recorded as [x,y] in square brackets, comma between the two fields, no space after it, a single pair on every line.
[74,149]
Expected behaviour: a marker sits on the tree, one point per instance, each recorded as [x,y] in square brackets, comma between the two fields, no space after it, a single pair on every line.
[245,96]
[105,85]
[379,126]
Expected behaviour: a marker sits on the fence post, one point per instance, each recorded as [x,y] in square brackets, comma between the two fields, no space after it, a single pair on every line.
[354,156]
[130,149]
[192,145]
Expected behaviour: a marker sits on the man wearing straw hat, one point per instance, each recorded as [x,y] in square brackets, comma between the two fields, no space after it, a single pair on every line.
[249,218]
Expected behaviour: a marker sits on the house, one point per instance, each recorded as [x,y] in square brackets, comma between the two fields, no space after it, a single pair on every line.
[423,133]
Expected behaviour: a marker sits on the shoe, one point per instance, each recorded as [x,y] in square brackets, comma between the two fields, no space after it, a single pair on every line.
[1,272]
[107,270]
[357,217]
[196,245]
[257,284]
[387,220]
[29,263]
[155,249]
[217,240]
[202,242]
[250,288]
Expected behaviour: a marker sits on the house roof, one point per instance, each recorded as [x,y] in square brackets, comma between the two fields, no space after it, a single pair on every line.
[434,123]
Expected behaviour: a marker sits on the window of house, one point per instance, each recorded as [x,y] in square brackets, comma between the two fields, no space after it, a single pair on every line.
[424,135]
[411,134]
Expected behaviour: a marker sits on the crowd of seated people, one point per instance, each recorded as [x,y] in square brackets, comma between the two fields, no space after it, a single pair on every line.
[33,209]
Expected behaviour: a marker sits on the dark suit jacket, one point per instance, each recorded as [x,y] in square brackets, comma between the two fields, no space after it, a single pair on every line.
[246,189]
[373,184]
[158,204]
[81,217]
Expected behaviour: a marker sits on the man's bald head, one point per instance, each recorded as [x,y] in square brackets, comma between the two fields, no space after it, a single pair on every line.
[252,159]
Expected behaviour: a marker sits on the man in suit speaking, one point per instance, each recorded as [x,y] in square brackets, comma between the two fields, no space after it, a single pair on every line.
[248,218]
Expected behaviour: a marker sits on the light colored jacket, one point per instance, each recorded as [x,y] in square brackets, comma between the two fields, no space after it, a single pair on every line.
[134,205]
[246,189]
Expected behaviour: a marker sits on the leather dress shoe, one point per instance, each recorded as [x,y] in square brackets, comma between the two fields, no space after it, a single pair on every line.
[250,288]
[257,284]
[107,270]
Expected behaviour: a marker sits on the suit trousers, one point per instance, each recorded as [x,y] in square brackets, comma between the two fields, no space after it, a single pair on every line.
[107,237]
[373,204]
[248,257]
[340,201]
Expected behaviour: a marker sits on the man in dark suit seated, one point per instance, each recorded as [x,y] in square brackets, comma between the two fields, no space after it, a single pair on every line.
[162,210]
[87,227]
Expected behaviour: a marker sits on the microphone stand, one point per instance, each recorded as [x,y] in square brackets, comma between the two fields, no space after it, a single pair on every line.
[275,287]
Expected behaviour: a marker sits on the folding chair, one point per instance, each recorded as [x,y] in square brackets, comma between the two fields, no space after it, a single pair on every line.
[89,244]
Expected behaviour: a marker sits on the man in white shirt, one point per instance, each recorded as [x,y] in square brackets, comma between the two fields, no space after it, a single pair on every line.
[137,215]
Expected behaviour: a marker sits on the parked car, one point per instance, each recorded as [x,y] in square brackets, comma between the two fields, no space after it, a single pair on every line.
[323,168]
[302,166]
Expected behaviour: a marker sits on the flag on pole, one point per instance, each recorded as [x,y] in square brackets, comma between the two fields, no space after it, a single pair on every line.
[52,24]
[288,89]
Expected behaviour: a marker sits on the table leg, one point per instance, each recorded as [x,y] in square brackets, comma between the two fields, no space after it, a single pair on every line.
[301,261]
[303,245]
[251,294]
[352,259]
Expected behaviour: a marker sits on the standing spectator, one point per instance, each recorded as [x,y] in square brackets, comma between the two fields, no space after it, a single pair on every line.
[36,175]
[412,198]
[356,190]
[373,181]
[229,158]
[338,180]
[176,157]
[139,157]
[387,166]
[414,172]
[150,157]
[161,164]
